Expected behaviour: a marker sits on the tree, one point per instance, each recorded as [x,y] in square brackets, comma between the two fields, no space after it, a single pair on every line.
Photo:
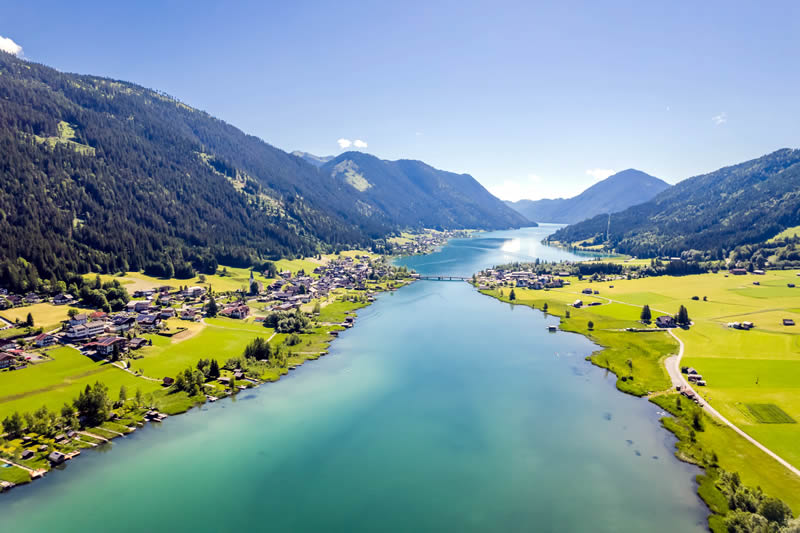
[94,404]
[683,317]
[590,324]
[123,395]
[71,312]
[115,352]
[317,308]
[211,307]
[512,295]
[646,316]
[29,320]
[13,424]
[138,397]
[213,371]
[258,349]
[566,314]
[544,307]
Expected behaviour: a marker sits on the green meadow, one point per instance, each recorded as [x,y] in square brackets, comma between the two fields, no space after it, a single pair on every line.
[753,376]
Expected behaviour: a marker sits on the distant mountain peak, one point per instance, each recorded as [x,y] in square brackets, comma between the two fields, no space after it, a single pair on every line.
[615,193]
[315,160]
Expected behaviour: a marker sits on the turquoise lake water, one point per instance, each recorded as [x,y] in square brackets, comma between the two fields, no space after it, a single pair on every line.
[442,410]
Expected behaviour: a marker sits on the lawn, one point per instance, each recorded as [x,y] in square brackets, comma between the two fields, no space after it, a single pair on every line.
[44,314]
[219,338]
[53,383]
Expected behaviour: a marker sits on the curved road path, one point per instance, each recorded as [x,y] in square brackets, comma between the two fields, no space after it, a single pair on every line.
[673,364]
[674,368]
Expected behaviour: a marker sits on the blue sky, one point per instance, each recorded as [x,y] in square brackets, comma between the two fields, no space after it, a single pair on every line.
[534,100]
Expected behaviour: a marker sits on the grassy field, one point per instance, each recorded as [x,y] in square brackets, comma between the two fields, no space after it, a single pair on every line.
[753,376]
[52,383]
[44,314]
[233,279]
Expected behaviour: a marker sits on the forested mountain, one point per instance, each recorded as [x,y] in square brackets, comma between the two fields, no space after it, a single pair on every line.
[315,160]
[615,193]
[742,204]
[417,195]
[103,175]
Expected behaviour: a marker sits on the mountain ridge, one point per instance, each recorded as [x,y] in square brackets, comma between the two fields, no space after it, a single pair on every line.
[745,203]
[615,193]
[102,175]
[418,195]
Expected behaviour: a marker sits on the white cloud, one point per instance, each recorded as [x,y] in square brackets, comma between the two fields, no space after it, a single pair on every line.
[344,144]
[601,173]
[7,45]
[720,119]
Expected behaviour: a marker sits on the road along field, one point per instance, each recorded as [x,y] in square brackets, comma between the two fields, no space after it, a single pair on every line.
[753,376]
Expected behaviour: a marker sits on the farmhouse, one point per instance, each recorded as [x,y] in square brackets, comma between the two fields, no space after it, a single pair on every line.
[665,321]
[738,271]
[136,343]
[63,299]
[239,310]
[788,322]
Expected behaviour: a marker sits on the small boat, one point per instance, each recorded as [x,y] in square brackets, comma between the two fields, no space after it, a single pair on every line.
[552,329]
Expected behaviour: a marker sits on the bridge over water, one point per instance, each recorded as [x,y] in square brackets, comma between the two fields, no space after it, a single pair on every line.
[444,277]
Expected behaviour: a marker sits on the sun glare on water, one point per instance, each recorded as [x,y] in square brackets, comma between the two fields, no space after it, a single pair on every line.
[511,245]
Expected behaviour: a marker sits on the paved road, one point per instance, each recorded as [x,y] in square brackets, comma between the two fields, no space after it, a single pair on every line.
[674,368]
[673,364]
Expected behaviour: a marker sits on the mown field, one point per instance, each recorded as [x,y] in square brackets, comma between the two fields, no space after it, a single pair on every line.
[44,314]
[753,376]
[58,381]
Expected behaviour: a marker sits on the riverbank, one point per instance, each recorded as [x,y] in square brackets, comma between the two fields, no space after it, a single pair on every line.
[144,394]
[637,359]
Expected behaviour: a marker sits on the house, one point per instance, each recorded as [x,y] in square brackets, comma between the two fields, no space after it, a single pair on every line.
[57,458]
[167,312]
[27,454]
[148,322]
[105,346]
[6,360]
[88,330]
[239,310]
[577,303]
[758,272]
[121,324]
[63,299]
[138,306]
[587,291]
[788,322]
[194,292]
[44,340]
[32,298]
[79,319]
[98,315]
[189,314]
[665,321]
[14,299]
[136,343]
[738,271]
[167,381]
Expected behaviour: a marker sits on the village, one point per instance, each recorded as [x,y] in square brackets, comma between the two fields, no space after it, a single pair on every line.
[118,339]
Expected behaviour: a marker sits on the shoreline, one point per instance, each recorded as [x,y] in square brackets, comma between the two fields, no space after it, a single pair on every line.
[87,438]
[683,423]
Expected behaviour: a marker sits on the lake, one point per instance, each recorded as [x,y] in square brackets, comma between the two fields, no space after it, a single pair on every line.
[442,410]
